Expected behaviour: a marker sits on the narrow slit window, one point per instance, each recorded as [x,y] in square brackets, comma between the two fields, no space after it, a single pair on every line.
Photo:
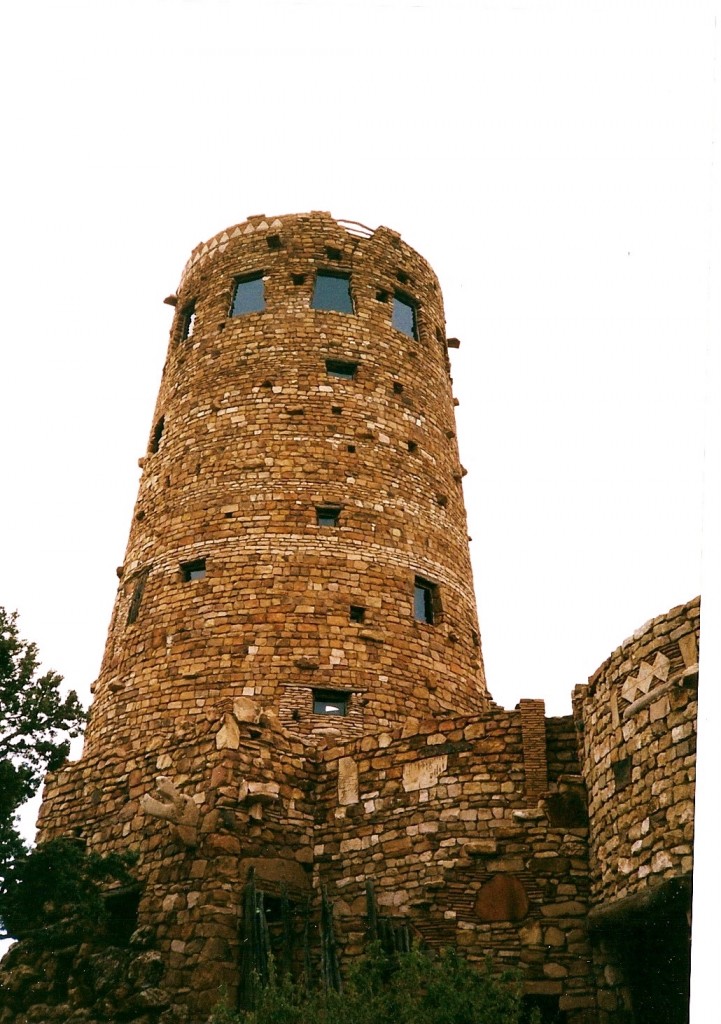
[404,315]
[337,368]
[187,321]
[332,291]
[249,295]
[425,601]
[330,702]
[194,570]
[327,515]
[136,599]
[157,434]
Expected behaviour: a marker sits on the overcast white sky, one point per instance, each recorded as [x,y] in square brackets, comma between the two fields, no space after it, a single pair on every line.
[552,161]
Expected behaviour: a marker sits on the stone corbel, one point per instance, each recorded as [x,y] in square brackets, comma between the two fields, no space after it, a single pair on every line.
[256,794]
[170,805]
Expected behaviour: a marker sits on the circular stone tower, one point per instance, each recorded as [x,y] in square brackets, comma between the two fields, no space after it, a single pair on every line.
[299,535]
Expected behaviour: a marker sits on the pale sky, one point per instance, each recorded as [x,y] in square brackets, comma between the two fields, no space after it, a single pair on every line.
[553,162]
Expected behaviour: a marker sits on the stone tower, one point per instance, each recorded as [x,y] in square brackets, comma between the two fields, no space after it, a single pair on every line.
[299,535]
[291,726]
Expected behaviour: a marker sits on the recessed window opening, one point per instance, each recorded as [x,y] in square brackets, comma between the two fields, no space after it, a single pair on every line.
[157,434]
[338,368]
[327,515]
[397,388]
[425,601]
[404,315]
[298,278]
[136,599]
[194,570]
[187,321]
[330,702]
[357,613]
[412,446]
[333,253]
[622,773]
[122,916]
[351,447]
[336,410]
[332,292]
[274,242]
[249,295]
[382,296]
[402,276]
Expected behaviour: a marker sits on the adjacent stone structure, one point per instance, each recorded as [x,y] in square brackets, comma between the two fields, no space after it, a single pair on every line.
[291,724]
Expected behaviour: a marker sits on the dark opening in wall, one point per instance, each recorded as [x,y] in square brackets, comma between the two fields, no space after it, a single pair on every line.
[298,278]
[122,919]
[332,253]
[351,447]
[357,613]
[402,276]
[248,295]
[157,434]
[336,410]
[194,570]
[327,515]
[382,296]
[546,1007]
[412,446]
[397,388]
[274,242]
[330,702]
[622,773]
[187,321]
[338,368]
[332,291]
[136,599]
[404,317]
[426,601]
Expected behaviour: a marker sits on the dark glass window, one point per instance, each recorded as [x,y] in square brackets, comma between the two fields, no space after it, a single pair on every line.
[425,601]
[332,291]
[330,702]
[337,368]
[327,515]
[193,570]
[404,315]
[249,295]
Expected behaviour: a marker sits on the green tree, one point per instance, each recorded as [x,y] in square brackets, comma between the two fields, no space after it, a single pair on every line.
[36,723]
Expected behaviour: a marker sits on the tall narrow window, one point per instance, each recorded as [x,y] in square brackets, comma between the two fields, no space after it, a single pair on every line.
[332,291]
[249,295]
[193,570]
[404,315]
[425,601]
[327,515]
[137,597]
[187,321]
[157,434]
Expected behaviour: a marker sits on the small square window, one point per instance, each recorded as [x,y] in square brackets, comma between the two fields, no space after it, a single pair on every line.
[357,613]
[249,295]
[337,368]
[404,315]
[332,291]
[336,410]
[333,253]
[425,601]
[330,702]
[622,773]
[274,242]
[397,387]
[193,570]
[187,321]
[327,515]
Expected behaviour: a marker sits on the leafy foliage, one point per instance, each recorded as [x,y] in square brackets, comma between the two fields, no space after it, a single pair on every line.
[55,890]
[410,988]
[35,725]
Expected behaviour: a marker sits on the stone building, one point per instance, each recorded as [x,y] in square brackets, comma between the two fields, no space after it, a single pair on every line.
[291,722]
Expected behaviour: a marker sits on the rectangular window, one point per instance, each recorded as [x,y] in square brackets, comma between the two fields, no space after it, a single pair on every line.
[193,570]
[249,295]
[337,368]
[332,291]
[357,613]
[327,515]
[425,601]
[404,315]
[137,597]
[187,321]
[330,702]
